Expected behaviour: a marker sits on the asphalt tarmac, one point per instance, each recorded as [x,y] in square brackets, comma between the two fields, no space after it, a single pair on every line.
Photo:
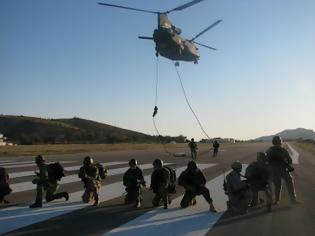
[112,217]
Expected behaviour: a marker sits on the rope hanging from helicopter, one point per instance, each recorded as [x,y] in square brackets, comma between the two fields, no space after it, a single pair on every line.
[190,107]
[156,109]
[188,103]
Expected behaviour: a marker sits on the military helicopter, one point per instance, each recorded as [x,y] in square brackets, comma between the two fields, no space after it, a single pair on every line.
[168,42]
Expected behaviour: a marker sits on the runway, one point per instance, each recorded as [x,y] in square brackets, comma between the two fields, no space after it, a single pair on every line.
[112,217]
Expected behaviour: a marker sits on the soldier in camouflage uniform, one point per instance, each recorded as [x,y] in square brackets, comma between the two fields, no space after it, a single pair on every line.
[133,180]
[194,183]
[193,149]
[280,161]
[258,176]
[240,196]
[4,185]
[160,180]
[46,182]
[89,174]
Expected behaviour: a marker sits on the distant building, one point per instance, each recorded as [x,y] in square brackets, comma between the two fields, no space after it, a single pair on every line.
[2,140]
[220,140]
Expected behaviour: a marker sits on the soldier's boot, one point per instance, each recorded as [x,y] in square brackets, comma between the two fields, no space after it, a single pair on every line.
[138,204]
[66,196]
[96,203]
[269,209]
[36,205]
[295,202]
[212,209]
[5,201]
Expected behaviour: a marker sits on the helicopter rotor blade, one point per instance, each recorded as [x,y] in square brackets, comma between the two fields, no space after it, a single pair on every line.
[145,37]
[182,7]
[206,46]
[205,30]
[128,8]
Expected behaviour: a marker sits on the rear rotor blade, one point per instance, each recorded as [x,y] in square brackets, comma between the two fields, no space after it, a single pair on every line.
[205,30]
[182,7]
[206,46]
[128,8]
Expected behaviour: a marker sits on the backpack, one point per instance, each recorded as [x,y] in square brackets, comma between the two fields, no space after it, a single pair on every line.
[172,185]
[55,171]
[102,171]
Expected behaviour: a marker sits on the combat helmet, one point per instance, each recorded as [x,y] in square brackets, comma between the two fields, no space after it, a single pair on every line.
[276,140]
[192,165]
[237,165]
[88,161]
[133,162]
[158,163]
[39,159]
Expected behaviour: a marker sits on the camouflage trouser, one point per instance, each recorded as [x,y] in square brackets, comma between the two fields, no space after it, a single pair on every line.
[240,201]
[51,188]
[161,194]
[268,194]
[215,152]
[133,195]
[193,154]
[190,195]
[279,173]
[91,191]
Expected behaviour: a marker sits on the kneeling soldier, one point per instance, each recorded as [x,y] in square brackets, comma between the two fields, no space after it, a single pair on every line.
[4,185]
[47,179]
[89,174]
[133,180]
[258,177]
[160,180]
[193,180]
[240,196]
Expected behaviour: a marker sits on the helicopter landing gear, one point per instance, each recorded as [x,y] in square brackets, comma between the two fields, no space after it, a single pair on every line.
[177,63]
[196,62]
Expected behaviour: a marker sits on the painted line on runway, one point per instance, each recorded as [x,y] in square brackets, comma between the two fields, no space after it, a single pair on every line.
[28,164]
[196,220]
[70,168]
[13,218]
[26,186]
[294,154]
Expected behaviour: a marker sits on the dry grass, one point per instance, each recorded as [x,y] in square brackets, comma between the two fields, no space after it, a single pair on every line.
[306,146]
[32,150]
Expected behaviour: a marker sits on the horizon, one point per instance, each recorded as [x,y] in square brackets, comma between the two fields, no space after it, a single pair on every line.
[78,59]
[126,128]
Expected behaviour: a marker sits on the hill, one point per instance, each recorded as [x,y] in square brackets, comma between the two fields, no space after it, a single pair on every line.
[32,130]
[291,134]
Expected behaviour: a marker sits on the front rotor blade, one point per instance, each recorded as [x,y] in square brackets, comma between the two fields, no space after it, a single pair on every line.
[145,37]
[128,8]
[182,7]
[206,46]
[205,30]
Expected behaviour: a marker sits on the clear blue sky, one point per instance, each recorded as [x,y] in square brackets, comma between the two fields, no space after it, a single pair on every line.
[66,58]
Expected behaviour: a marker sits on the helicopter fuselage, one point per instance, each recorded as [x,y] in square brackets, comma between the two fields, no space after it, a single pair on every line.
[171,45]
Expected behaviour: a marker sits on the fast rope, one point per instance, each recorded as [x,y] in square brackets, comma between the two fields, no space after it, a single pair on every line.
[188,103]
[156,109]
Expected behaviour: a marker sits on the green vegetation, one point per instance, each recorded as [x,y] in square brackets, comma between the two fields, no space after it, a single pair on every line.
[32,131]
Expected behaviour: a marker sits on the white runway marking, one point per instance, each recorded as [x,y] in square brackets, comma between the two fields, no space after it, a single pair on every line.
[27,164]
[71,168]
[294,154]
[196,220]
[25,186]
[13,218]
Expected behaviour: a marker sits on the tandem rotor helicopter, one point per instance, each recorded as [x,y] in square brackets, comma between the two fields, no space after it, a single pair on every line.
[168,42]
